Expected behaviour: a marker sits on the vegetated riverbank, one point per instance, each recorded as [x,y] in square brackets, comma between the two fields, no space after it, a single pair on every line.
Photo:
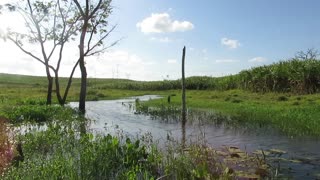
[176,163]
[294,115]
[289,110]
[67,149]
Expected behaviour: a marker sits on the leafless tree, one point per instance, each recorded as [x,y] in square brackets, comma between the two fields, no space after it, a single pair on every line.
[309,54]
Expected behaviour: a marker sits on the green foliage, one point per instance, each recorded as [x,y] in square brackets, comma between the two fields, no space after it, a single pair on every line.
[242,108]
[65,150]
[295,75]
[36,113]
[282,98]
[62,151]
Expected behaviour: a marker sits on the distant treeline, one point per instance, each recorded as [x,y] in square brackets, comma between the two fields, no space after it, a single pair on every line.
[295,75]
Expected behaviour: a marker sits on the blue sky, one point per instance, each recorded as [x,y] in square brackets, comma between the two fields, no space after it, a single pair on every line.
[222,36]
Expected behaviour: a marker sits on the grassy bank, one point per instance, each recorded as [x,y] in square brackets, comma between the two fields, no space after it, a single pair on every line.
[71,152]
[65,149]
[294,115]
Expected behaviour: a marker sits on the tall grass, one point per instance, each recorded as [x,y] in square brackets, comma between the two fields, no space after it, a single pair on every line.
[294,76]
[65,149]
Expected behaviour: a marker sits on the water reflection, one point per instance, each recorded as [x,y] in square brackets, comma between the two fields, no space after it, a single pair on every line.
[115,117]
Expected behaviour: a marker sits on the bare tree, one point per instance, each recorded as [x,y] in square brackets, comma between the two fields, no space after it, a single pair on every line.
[51,24]
[94,30]
[309,54]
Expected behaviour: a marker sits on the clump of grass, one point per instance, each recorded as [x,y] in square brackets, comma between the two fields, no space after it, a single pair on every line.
[36,113]
[283,98]
[32,101]
[60,152]
[236,101]
[101,95]
[296,103]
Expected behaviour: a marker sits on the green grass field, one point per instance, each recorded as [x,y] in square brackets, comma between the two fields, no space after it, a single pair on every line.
[293,114]
[290,113]
[102,157]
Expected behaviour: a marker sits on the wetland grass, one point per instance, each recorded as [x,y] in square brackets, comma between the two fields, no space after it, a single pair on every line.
[64,150]
[282,95]
[286,115]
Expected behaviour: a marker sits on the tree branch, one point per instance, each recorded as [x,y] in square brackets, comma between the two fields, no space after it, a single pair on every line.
[29,53]
[79,7]
[103,37]
[95,9]
[103,49]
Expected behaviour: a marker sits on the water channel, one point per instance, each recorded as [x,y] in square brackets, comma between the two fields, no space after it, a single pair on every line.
[112,116]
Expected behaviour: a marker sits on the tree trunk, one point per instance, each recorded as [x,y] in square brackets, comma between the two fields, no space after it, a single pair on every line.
[83,90]
[60,100]
[69,83]
[49,93]
[50,84]
[183,111]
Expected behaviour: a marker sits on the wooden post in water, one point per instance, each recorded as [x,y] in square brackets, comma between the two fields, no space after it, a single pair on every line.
[184,108]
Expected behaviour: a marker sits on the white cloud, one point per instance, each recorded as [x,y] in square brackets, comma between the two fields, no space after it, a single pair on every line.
[161,23]
[172,61]
[161,39]
[257,60]
[230,43]
[226,61]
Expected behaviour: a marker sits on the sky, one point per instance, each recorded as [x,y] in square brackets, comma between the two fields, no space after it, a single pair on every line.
[222,37]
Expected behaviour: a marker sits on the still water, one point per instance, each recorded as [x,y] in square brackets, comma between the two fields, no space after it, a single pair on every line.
[114,116]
